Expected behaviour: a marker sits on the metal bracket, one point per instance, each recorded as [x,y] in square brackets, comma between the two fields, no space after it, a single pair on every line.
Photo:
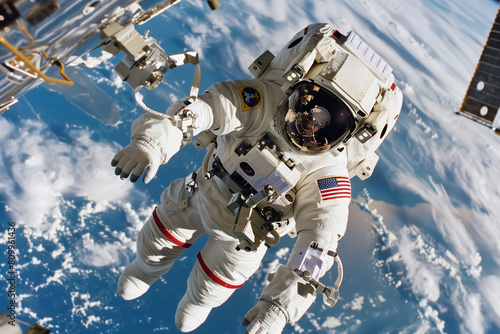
[7,104]
[261,64]
[330,293]
[252,229]
[190,186]
[204,139]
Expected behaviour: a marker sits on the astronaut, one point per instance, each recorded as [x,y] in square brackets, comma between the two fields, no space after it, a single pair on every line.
[282,148]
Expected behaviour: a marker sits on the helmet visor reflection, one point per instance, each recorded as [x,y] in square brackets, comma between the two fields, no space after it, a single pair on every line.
[314,119]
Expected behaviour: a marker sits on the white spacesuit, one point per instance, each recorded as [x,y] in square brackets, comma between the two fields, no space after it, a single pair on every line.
[282,148]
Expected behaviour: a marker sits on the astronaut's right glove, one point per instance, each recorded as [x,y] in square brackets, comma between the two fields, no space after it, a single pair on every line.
[135,158]
[285,300]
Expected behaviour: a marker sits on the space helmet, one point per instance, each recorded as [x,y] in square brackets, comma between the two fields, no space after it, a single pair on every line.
[313,120]
[336,88]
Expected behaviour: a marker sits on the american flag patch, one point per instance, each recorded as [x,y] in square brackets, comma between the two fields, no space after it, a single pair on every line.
[334,187]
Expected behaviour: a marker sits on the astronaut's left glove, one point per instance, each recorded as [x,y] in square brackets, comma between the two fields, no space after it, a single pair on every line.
[289,293]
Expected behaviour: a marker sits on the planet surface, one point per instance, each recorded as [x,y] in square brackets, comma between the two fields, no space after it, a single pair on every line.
[421,251]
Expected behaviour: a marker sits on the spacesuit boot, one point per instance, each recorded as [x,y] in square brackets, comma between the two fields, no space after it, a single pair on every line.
[133,283]
[190,316]
[219,270]
[202,295]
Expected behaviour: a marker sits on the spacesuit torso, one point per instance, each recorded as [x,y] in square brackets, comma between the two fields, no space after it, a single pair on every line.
[242,111]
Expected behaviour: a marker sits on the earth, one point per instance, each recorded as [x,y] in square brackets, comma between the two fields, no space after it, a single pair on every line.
[421,250]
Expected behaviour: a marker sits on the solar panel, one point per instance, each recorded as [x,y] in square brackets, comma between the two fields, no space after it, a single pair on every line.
[482,101]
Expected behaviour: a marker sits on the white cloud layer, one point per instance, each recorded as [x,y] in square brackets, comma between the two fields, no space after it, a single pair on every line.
[438,280]
[449,162]
[37,170]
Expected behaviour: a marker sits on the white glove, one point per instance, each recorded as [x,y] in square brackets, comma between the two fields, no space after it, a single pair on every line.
[136,157]
[264,318]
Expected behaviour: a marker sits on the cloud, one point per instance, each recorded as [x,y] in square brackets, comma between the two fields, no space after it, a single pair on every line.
[438,279]
[425,278]
[100,254]
[331,322]
[490,297]
[38,170]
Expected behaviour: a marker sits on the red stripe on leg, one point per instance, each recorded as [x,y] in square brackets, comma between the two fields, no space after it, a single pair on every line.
[167,233]
[213,276]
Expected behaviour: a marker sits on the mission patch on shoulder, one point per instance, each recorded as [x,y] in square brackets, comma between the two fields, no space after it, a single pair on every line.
[250,97]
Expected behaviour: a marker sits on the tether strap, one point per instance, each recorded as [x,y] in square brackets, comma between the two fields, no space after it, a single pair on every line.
[191,58]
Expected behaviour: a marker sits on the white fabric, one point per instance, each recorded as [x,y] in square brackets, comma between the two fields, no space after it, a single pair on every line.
[283,291]
[133,283]
[167,138]
[156,253]
[387,113]
[264,318]
[136,157]
[207,211]
[286,57]
[324,241]
[233,125]
[189,315]
[226,113]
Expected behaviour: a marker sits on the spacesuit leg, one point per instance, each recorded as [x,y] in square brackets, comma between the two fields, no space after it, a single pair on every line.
[171,229]
[219,270]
